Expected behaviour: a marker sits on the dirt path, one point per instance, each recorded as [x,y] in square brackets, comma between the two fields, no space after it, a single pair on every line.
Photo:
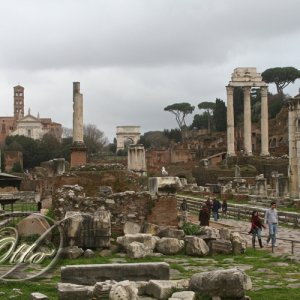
[284,233]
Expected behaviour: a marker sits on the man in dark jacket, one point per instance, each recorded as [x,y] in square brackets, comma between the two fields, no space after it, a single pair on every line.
[215,209]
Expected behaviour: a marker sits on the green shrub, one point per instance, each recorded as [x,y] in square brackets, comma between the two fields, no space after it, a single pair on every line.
[190,228]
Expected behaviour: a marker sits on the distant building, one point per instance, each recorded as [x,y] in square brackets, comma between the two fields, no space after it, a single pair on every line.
[30,126]
[127,135]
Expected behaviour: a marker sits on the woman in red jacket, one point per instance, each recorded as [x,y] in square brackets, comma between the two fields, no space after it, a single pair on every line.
[256,228]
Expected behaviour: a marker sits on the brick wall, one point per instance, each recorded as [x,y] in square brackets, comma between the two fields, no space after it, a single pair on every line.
[78,158]
[12,157]
[164,212]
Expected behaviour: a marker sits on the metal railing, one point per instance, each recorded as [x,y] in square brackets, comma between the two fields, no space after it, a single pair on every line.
[243,211]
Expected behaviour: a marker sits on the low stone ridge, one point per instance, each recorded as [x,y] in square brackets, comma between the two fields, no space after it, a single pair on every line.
[88,230]
[124,290]
[231,283]
[169,246]
[225,233]
[196,246]
[131,228]
[208,233]
[88,253]
[32,225]
[172,233]
[219,247]
[38,296]
[68,291]
[71,252]
[102,289]
[137,250]
[239,244]
[147,239]
[152,229]
[90,274]
[161,289]
[184,295]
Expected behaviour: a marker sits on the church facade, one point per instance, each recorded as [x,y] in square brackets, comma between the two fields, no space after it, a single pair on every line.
[27,125]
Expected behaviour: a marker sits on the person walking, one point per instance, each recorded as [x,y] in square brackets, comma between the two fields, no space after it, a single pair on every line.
[184,210]
[208,204]
[224,209]
[215,209]
[271,219]
[204,216]
[256,228]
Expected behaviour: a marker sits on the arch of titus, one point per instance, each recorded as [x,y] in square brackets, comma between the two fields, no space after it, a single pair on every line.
[247,78]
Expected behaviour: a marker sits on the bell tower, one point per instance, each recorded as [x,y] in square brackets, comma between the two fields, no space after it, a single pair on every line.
[18,102]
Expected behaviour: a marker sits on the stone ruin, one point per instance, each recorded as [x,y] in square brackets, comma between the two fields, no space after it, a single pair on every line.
[136,207]
[247,78]
[129,281]
[137,159]
[54,167]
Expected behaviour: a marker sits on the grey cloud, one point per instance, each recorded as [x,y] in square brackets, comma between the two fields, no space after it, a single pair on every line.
[135,57]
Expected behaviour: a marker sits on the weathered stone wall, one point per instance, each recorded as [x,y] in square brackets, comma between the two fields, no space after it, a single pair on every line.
[90,178]
[127,206]
[136,207]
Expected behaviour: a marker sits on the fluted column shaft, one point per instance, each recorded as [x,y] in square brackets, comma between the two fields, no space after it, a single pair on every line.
[230,122]
[247,122]
[264,127]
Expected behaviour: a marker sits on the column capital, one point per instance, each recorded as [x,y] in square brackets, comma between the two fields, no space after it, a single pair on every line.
[264,91]
[229,89]
[246,88]
[291,104]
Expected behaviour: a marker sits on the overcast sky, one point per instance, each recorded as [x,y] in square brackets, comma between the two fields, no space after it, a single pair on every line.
[135,57]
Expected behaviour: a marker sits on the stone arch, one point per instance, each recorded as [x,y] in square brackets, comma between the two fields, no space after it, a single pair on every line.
[127,135]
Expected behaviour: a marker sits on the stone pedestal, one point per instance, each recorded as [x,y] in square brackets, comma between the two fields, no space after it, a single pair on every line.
[78,156]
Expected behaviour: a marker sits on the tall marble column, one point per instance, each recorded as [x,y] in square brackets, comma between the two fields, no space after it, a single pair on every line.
[230,122]
[293,171]
[247,122]
[78,149]
[77,114]
[264,127]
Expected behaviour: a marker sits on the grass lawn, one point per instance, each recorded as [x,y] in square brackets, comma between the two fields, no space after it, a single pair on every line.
[270,275]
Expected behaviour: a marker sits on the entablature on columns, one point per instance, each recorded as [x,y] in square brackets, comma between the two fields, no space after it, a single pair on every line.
[243,77]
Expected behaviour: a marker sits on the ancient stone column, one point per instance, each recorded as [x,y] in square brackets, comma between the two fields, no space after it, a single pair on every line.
[247,122]
[78,150]
[230,122]
[137,159]
[264,122]
[293,149]
[77,114]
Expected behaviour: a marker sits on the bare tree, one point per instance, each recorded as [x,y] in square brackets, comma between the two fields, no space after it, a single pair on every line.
[94,139]
[67,132]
